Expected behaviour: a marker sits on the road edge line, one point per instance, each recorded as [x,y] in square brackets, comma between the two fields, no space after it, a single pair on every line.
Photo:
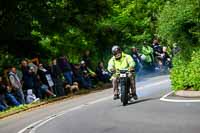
[164,98]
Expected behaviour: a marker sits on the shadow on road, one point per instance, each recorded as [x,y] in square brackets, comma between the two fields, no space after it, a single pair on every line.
[142,100]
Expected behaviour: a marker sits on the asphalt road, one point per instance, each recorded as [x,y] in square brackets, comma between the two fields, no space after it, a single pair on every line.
[98,113]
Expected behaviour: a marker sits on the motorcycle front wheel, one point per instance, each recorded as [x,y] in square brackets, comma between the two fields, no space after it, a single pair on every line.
[124,94]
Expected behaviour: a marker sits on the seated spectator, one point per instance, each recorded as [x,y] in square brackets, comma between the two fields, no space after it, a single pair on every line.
[66,69]
[29,80]
[16,85]
[3,104]
[87,70]
[31,97]
[57,78]
[102,73]
[44,81]
[88,73]
[78,76]
[86,58]
[6,96]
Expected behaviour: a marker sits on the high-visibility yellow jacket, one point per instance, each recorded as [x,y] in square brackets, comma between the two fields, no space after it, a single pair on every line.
[148,52]
[126,62]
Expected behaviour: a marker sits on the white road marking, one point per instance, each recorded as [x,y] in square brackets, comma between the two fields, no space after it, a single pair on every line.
[34,126]
[164,98]
[30,126]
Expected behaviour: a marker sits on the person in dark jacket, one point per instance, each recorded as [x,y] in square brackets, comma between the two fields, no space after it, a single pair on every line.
[78,76]
[57,78]
[102,73]
[88,73]
[45,81]
[87,58]
[137,59]
[157,48]
[66,69]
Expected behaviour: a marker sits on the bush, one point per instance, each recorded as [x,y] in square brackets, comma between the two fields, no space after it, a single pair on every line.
[194,70]
[185,73]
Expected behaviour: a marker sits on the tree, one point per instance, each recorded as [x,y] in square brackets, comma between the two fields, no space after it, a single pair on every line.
[179,22]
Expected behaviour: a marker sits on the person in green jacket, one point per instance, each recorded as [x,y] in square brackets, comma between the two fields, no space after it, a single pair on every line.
[120,60]
[147,56]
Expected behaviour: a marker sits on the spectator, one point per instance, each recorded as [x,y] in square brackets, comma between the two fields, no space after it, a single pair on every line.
[136,57]
[79,77]
[166,60]
[65,67]
[29,80]
[102,73]
[157,48]
[6,95]
[16,85]
[3,104]
[147,57]
[31,96]
[175,49]
[88,73]
[86,58]
[26,75]
[57,78]
[44,81]
[28,63]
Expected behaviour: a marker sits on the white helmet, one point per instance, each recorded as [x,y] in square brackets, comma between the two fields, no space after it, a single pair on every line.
[116,49]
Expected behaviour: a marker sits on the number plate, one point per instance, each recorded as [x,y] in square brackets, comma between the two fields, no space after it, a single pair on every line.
[123,75]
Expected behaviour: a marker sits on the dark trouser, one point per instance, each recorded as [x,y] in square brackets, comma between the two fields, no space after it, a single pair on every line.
[12,99]
[3,102]
[19,95]
[84,82]
[58,87]
[104,78]
[68,77]
[2,107]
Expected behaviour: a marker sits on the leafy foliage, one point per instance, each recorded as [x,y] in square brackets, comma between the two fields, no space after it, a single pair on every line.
[185,74]
[71,26]
[179,22]
[49,28]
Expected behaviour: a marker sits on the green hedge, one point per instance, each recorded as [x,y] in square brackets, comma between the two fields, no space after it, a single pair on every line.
[186,72]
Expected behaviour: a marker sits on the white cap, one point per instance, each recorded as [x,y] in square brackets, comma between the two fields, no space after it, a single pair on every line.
[82,62]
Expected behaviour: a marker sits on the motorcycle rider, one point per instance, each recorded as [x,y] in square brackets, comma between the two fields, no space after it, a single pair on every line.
[120,60]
